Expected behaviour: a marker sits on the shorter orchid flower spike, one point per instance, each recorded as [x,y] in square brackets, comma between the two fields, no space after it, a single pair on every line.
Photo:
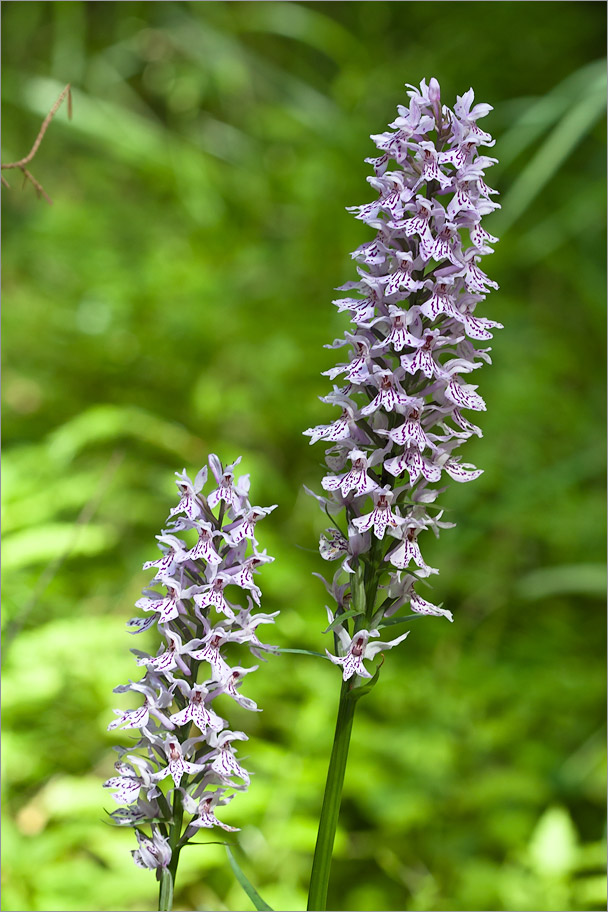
[209,545]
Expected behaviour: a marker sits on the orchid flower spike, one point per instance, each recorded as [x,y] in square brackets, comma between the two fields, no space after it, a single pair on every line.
[409,348]
[202,599]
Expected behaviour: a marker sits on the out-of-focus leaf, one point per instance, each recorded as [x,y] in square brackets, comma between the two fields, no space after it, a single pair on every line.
[304,24]
[572,579]
[103,423]
[540,115]
[564,138]
[39,544]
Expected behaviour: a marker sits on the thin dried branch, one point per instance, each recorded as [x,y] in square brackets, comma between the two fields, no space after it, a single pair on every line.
[27,159]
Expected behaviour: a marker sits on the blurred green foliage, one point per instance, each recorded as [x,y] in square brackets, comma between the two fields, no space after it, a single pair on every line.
[174,301]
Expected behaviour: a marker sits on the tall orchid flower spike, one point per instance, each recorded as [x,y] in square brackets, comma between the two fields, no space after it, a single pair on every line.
[185,760]
[410,348]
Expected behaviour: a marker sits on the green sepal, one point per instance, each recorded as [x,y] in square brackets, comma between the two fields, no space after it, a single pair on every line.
[249,889]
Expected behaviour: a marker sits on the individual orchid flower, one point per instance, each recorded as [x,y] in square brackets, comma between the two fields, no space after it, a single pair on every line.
[407,551]
[152,853]
[204,548]
[203,811]
[421,606]
[333,545]
[169,658]
[131,718]
[423,360]
[212,594]
[243,573]
[357,648]
[462,472]
[464,395]
[411,433]
[189,490]
[196,711]
[222,757]
[173,555]
[338,430]
[245,528]
[153,705]
[416,465]
[398,336]
[214,639]
[390,396]
[381,516]
[248,624]
[176,764]
[402,276]
[226,490]
[168,606]
[357,479]
[441,300]
[130,782]
[231,680]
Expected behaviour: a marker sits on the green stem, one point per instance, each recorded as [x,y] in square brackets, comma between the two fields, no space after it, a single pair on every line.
[167,883]
[321,865]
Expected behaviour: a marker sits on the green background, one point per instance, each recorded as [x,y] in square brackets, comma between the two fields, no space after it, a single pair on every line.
[174,301]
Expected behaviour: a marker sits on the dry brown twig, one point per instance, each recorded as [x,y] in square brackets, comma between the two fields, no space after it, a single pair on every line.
[28,176]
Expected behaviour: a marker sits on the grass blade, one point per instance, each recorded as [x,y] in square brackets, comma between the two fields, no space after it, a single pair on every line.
[249,889]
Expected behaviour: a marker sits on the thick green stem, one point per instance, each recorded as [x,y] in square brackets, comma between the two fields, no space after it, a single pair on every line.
[319,878]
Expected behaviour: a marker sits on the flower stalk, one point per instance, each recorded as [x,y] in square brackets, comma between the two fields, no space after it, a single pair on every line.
[332,798]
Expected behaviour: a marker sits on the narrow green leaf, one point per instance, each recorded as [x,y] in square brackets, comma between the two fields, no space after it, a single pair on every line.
[351,613]
[390,622]
[307,652]
[249,889]
[211,842]
[564,579]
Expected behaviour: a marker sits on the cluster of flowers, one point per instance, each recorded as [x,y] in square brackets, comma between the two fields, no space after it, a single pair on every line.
[181,734]
[403,395]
